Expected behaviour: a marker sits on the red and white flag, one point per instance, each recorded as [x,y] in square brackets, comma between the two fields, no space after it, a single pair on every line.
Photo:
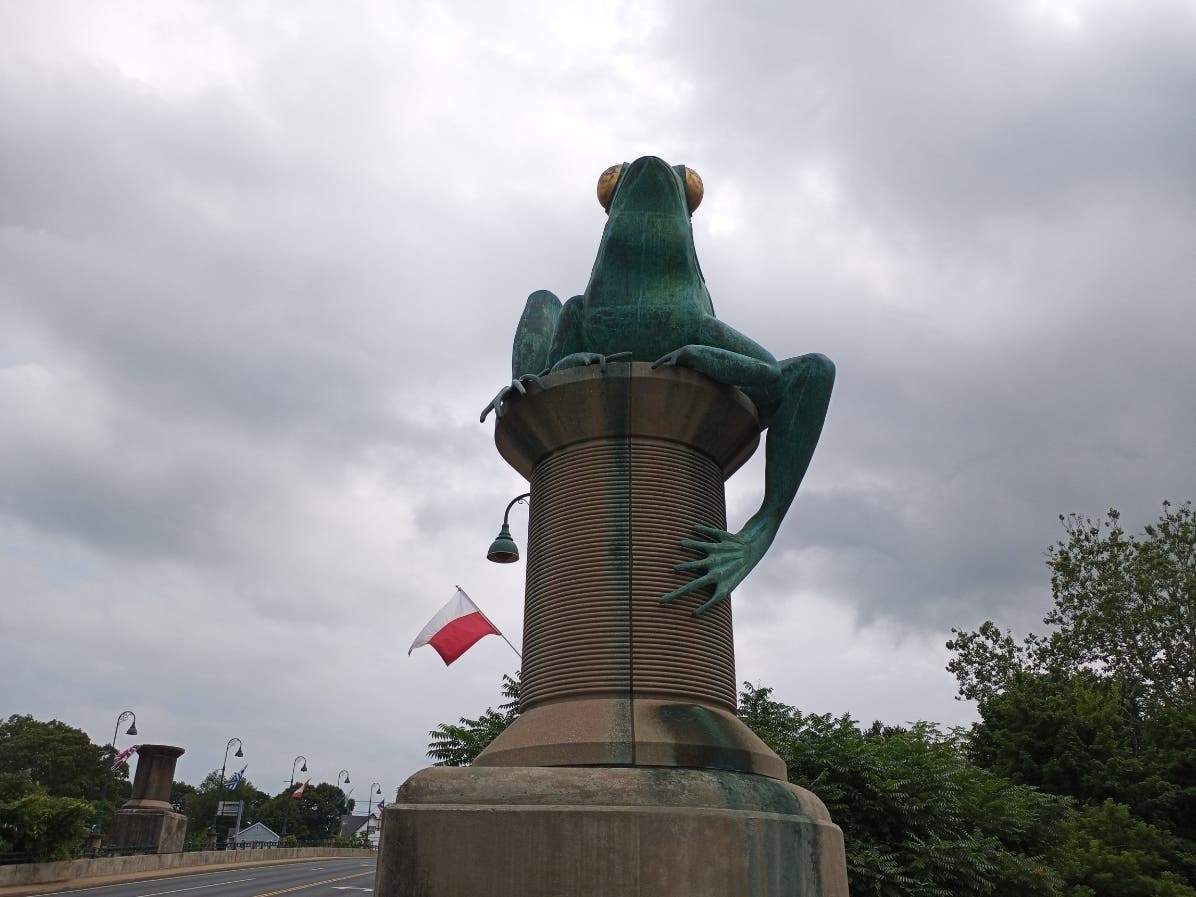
[299,791]
[124,755]
[455,629]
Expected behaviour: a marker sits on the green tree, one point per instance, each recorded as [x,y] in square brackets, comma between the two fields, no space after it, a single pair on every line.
[33,822]
[179,792]
[58,757]
[199,803]
[1102,707]
[1067,734]
[1111,853]
[63,761]
[314,817]
[1124,609]
[459,744]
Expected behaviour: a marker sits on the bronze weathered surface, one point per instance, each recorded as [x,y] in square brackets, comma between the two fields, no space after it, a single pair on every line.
[647,300]
[611,675]
[627,772]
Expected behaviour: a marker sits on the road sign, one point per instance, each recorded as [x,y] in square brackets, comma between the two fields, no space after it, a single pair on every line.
[230,808]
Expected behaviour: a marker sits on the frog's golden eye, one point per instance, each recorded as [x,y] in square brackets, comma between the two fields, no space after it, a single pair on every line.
[606,185]
[694,190]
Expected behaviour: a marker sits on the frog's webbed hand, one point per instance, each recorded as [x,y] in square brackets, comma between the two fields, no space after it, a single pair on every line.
[578,359]
[730,557]
[517,387]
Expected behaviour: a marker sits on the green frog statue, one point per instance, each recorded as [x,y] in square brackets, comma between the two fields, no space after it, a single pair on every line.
[647,301]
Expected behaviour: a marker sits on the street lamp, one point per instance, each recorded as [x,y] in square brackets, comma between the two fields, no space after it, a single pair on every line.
[132,730]
[223,766]
[286,816]
[503,549]
[375,788]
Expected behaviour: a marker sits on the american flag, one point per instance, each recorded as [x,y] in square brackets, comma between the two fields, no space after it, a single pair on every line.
[124,755]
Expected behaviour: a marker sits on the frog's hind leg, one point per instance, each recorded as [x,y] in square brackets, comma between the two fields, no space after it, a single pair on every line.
[535,333]
[794,424]
[794,420]
[569,345]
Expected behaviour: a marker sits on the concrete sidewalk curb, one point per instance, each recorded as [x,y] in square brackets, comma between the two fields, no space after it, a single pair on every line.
[92,874]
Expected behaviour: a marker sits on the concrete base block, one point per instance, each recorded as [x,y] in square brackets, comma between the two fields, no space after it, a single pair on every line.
[148,827]
[626,831]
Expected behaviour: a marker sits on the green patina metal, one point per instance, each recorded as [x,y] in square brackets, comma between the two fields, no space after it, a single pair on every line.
[647,300]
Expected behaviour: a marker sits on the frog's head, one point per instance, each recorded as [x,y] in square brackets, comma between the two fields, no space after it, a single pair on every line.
[647,250]
[650,185]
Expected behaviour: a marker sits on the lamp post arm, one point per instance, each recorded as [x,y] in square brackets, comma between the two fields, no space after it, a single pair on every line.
[514,501]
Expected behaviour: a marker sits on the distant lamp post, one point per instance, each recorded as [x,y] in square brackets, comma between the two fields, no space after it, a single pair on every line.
[223,766]
[132,730]
[375,788]
[503,549]
[286,816]
[345,773]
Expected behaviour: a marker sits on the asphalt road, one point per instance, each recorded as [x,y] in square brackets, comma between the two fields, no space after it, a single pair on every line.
[331,877]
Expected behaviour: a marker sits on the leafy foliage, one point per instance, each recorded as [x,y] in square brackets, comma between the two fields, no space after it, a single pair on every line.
[33,822]
[459,744]
[1103,708]
[917,817]
[314,817]
[1111,853]
[62,762]
[1124,610]
[60,758]
[1126,606]
[199,803]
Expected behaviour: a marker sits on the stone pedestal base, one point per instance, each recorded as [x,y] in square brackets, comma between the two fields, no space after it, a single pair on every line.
[148,827]
[655,832]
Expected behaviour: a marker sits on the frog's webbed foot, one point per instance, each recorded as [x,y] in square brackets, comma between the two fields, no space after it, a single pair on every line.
[578,359]
[517,387]
[729,558]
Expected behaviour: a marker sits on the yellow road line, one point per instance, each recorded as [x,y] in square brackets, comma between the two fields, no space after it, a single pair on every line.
[313,884]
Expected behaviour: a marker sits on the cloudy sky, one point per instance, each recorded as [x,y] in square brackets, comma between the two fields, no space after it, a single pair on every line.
[260,266]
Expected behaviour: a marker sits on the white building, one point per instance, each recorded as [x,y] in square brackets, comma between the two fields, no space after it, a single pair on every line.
[256,835]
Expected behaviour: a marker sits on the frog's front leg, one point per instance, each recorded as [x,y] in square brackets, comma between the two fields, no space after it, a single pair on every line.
[577,359]
[517,387]
[794,424]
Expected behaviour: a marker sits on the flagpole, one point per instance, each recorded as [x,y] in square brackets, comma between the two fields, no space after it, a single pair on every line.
[491,622]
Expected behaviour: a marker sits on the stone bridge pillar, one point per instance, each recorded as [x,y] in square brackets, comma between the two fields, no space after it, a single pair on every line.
[147,819]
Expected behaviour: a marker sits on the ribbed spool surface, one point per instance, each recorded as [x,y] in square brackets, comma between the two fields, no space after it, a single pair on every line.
[676,654]
[576,637]
[607,516]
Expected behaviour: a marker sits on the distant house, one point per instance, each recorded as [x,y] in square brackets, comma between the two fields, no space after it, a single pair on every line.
[256,835]
[356,825]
